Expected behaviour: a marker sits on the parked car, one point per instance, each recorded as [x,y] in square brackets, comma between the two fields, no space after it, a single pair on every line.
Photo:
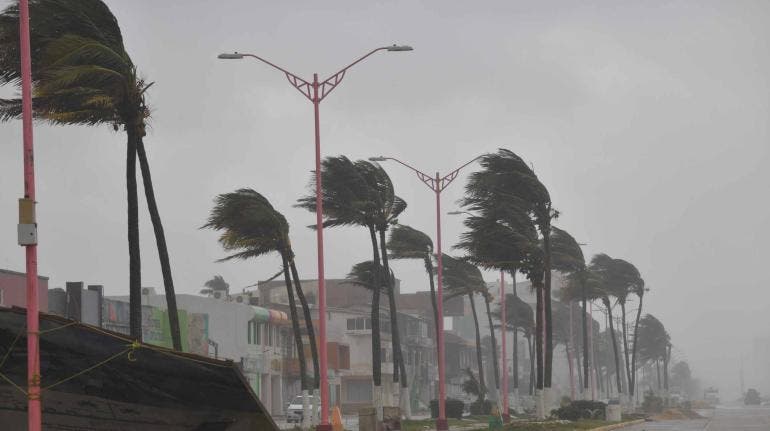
[294,409]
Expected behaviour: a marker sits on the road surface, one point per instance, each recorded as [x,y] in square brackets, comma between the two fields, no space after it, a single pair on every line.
[738,418]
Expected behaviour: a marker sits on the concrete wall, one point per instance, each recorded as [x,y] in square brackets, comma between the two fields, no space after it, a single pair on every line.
[14,290]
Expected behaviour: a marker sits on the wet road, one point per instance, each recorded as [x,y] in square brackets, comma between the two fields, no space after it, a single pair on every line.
[724,419]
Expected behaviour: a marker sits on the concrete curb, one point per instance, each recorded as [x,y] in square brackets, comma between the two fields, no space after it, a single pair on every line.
[619,426]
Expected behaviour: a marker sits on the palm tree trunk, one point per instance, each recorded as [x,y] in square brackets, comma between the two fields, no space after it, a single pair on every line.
[539,337]
[548,367]
[134,260]
[618,371]
[160,240]
[295,322]
[429,270]
[398,358]
[585,336]
[634,340]
[376,354]
[531,365]
[657,366]
[308,320]
[483,387]
[627,362]
[495,362]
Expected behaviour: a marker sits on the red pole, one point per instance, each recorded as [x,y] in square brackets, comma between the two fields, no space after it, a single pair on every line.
[503,330]
[441,422]
[324,381]
[33,354]
[591,352]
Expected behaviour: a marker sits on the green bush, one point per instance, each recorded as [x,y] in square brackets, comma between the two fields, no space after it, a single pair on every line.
[481,407]
[581,410]
[652,403]
[454,408]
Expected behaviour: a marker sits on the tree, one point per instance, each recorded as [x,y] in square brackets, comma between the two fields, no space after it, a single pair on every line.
[653,341]
[83,75]
[361,194]
[408,243]
[216,284]
[250,227]
[463,278]
[567,257]
[507,180]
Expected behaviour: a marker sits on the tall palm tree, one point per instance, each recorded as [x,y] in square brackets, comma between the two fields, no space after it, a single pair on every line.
[464,279]
[406,242]
[361,194]
[654,342]
[216,284]
[507,178]
[567,257]
[83,75]
[250,227]
[389,208]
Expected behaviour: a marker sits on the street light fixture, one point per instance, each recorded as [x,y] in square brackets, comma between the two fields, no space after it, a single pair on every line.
[436,183]
[315,91]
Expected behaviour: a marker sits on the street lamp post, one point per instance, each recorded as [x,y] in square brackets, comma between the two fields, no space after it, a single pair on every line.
[436,183]
[27,228]
[315,92]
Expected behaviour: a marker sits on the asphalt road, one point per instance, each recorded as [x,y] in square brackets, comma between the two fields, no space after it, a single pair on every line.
[739,418]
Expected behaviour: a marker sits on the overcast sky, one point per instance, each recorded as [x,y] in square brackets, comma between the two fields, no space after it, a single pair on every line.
[648,122]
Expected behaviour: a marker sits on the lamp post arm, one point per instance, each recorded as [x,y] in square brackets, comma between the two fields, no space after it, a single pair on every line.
[300,84]
[330,83]
[448,178]
[425,178]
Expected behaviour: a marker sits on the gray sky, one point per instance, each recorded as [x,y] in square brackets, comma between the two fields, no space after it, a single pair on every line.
[648,121]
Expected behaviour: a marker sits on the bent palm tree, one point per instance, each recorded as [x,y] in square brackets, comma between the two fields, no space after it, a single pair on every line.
[83,75]
[463,278]
[408,243]
[251,228]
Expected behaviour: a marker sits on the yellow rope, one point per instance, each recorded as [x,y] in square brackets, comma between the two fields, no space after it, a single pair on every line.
[58,327]
[8,353]
[4,377]
[87,369]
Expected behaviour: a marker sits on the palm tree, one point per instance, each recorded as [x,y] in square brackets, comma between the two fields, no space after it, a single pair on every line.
[506,178]
[83,75]
[654,342]
[251,228]
[389,208]
[463,278]
[568,258]
[361,194]
[408,243]
[216,284]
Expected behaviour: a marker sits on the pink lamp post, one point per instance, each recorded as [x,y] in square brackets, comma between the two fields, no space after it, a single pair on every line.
[27,228]
[437,184]
[315,92]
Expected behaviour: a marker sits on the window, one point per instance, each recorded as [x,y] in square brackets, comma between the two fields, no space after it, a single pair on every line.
[258,334]
[269,334]
[252,332]
[358,390]
[359,324]
[344,357]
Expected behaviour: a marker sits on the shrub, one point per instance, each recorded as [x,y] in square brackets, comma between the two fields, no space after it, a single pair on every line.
[581,410]
[481,407]
[652,403]
[454,408]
